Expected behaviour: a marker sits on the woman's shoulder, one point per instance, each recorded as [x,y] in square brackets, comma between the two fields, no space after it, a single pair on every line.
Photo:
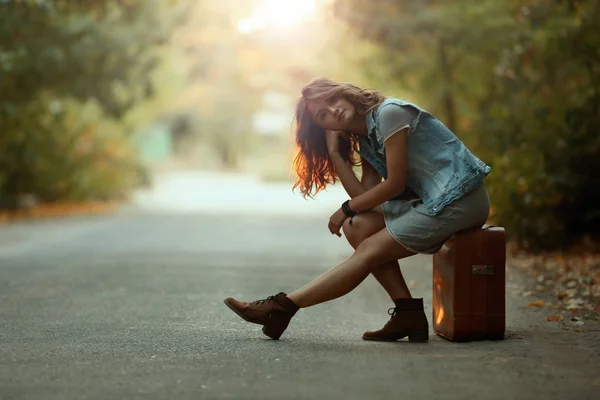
[393,108]
[394,101]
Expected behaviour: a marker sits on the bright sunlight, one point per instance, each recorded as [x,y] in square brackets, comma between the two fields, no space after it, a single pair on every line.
[277,14]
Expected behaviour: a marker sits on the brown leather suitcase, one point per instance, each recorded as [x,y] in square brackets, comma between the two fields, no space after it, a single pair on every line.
[469,285]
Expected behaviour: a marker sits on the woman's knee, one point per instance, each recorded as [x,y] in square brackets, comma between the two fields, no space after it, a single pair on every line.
[362,226]
[368,252]
[381,248]
[351,233]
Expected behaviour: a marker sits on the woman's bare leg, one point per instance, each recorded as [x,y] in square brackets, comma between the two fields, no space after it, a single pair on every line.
[388,274]
[390,277]
[345,277]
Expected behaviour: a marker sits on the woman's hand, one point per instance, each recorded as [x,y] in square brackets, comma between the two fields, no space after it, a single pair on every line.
[333,140]
[336,221]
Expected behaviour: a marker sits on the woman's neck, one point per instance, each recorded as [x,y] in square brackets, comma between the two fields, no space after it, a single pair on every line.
[359,125]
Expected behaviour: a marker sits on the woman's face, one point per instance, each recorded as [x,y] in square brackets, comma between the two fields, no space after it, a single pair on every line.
[333,114]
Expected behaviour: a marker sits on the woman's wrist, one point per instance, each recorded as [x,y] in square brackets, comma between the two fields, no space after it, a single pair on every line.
[347,210]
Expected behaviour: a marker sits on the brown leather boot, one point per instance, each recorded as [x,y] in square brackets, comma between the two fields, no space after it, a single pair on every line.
[408,319]
[274,312]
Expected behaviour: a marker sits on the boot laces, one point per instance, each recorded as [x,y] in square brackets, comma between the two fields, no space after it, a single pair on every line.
[392,312]
[268,299]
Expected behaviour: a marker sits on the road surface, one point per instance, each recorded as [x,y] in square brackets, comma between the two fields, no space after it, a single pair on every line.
[129,306]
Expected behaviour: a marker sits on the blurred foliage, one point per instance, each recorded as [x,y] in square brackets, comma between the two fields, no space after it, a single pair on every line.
[541,119]
[74,78]
[519,81]
[219,98]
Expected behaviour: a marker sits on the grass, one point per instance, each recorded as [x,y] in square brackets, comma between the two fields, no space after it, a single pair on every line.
[57,210]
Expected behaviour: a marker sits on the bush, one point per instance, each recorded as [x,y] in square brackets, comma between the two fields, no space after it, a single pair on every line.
[72,153]
[542,125]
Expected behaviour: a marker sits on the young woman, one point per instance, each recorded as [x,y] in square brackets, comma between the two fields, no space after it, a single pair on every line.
[419,186]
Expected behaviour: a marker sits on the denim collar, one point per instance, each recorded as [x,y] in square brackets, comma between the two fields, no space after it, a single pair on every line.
[370,120]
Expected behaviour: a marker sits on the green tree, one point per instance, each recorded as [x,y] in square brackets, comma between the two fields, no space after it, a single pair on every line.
[518,80]
[436,49]
[545,108]
[218,98]
[70,75]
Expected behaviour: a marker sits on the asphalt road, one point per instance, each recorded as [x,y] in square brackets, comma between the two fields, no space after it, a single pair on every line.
[129,306]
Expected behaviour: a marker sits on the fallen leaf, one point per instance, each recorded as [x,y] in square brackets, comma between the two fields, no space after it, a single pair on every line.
[571,292]
[555,318]
[573,304]
[539,303]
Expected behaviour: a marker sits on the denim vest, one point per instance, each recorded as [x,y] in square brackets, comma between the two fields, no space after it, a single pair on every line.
[440,167]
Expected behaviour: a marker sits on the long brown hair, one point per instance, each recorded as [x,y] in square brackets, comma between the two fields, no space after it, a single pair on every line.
[313,166]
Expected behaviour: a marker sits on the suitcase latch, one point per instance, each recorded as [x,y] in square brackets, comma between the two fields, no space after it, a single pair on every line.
[482,269]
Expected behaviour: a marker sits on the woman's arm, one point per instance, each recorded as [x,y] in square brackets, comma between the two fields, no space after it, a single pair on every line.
[396,156]
[344,172]
[350,182]
[354,187]
[370,176]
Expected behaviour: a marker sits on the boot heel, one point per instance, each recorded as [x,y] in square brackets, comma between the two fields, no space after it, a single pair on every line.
[419,336]
[272,331]
[276,325]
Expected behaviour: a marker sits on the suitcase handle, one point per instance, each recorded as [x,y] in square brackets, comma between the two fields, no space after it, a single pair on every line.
[482,270]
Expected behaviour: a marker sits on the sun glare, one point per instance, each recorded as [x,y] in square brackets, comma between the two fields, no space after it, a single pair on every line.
[277,14]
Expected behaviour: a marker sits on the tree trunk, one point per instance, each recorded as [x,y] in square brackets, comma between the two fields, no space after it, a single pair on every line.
[448,98]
